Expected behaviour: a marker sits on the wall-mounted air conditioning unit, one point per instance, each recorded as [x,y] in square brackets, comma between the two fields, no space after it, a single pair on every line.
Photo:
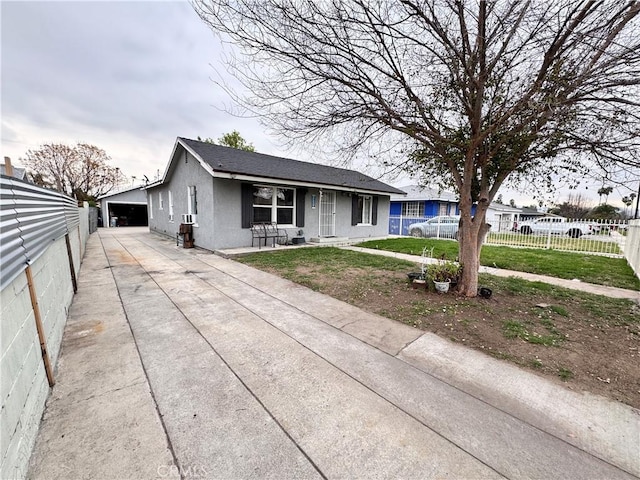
[188,218]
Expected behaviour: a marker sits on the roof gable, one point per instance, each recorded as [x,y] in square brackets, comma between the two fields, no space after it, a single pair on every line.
[217,160]
[118,192]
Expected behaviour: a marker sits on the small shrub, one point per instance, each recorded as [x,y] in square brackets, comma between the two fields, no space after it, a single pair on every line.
[565,374]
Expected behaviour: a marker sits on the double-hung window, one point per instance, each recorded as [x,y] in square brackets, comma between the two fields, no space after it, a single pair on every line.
[170,207]
[160,201]
[192,207]
[413,209]
[364,209]
[273,204]
[192,200]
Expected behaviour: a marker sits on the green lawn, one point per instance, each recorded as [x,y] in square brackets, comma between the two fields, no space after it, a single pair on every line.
[588,268]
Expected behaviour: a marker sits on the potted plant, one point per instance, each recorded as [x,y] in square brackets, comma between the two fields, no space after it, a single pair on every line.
[443,273]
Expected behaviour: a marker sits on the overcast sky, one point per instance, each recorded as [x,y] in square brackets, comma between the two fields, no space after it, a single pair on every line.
[128,77]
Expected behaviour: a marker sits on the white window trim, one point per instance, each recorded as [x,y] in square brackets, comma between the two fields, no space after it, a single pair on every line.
[171,219]
[150,207]
[160,201]
[413,209]
[366,223]
[190,210]
[274,204]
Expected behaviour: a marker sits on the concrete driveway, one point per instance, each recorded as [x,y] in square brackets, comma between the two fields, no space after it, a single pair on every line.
[179,363]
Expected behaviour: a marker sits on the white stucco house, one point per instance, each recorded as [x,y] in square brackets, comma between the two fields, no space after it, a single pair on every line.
[222,191]
[502,217]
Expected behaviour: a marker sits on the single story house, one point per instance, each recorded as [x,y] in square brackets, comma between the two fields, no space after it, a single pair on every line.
[531,213]
[502,217]
[124,208]
[417,204]
[421,203]
[222,191]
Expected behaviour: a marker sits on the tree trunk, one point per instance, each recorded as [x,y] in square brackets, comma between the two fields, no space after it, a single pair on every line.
[470,239]
[469,257]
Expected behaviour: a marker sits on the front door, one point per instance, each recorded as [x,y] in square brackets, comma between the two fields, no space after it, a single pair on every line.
[327,214]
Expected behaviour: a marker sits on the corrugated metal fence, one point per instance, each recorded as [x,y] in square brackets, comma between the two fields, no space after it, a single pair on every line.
[31,219]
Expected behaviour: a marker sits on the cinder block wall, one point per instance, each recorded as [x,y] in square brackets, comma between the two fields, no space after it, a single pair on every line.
[24,387]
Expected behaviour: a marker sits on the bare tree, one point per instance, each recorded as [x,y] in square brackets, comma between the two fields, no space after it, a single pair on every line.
[476,92]
[80,171]
[576,206]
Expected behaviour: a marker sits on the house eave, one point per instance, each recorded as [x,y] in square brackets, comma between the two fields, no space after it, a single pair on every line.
[113,194]
[295,183]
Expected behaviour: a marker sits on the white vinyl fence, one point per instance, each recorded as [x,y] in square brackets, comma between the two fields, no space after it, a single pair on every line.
[599,237]
[632,247]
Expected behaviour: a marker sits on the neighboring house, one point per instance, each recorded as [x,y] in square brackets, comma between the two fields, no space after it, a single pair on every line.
[222,191]
[124,208]
[419,203]
[502,217]
[422,203]
[16,172]
[529,213]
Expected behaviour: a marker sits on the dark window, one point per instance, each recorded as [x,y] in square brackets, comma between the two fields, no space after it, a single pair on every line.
[273,204]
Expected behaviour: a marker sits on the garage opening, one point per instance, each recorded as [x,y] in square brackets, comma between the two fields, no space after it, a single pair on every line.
[127,215]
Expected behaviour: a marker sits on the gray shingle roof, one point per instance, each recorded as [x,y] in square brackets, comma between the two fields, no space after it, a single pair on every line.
[18,172]
[416,192]
[232,160]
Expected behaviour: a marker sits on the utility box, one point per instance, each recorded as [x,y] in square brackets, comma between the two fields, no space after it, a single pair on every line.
[185,235]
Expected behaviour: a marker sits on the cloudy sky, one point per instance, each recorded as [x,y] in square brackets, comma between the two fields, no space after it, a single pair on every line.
[128,77]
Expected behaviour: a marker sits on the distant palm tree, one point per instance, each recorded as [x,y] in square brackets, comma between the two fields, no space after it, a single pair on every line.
[605,191]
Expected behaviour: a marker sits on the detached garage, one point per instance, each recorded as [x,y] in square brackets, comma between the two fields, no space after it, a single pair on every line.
[127,208]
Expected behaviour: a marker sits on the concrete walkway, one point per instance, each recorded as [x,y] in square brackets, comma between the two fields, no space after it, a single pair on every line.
[612,292]
[178,363]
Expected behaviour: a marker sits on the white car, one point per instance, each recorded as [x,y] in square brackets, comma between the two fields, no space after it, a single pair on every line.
[554,225]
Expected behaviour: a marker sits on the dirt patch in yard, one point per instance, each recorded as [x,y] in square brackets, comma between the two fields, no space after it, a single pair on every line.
[583,342]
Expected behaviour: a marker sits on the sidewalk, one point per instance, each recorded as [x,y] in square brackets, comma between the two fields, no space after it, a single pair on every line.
[613,292]
[181,363]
